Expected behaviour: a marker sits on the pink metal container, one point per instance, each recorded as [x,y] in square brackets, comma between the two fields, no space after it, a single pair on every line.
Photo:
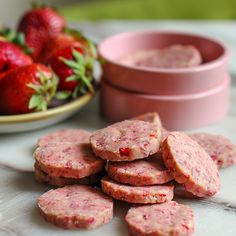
[159,81]
[177,112]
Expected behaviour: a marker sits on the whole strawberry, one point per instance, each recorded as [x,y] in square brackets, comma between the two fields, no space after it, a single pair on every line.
[38,25]
[26,89]
[65,39]
[11,57]
[53,44]
[74,68]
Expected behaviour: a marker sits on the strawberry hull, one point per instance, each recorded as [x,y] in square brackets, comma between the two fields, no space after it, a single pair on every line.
[62,70]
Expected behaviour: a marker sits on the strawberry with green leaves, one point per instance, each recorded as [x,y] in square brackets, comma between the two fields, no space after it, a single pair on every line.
[65,39]
[53,44]
[11,57]
[26,89]
[74,68]
[38,25]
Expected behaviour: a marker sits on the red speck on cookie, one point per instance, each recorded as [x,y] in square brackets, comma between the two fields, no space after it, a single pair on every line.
[124,151]
[152,135]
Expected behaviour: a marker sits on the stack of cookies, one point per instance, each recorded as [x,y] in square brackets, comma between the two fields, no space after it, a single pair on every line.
[136,173]
[65,158]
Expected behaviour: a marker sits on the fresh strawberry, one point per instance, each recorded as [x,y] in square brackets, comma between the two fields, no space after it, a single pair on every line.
[53,44]
[11,57]
[26,89]
[66,39]
[74,67]
[38,25]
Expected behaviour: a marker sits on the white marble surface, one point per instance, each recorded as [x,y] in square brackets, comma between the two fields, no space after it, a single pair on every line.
[19,191]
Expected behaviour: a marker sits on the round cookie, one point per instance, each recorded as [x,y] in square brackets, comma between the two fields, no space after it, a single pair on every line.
[65,136]
[45,178]
[68,160]
[220,148]
[174,56]
[190,165]
[166,219]
[148,171]
[137,194]
[76,206]
[126,141]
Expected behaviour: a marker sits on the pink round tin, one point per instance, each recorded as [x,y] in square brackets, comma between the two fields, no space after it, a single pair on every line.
[177,112]
[162,81]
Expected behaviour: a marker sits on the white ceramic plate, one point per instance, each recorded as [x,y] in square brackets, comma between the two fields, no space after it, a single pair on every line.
[32,121]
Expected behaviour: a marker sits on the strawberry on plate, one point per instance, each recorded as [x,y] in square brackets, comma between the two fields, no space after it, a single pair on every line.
[53,44]
[74,68]
[26,89]
[11,57]
[38,25]
[65,39]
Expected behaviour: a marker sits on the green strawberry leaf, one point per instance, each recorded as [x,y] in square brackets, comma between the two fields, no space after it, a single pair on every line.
[82,67]
[61,95]
[35,101]
[82,89]
[87,83]
[8,34]
[72,78]
[21,39]
[79,72]
[41,76]
[70,63]
[44,92]
[78,57]
[35,87]
[93,48]
[89,62]
[42,106]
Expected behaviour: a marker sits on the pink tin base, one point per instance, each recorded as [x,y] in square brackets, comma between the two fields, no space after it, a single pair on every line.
[178,112]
